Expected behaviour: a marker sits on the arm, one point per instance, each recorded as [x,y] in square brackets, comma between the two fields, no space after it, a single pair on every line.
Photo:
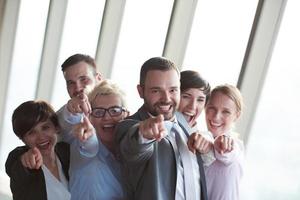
[66,121]
[139,137]
[228,149]
[86,145]
[22,179]
[132,147]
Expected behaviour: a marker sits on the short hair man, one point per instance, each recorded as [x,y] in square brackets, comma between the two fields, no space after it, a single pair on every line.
[81,75]
[148,149]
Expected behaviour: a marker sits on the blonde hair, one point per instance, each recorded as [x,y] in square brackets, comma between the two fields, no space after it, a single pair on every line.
[107,87]
[233,93]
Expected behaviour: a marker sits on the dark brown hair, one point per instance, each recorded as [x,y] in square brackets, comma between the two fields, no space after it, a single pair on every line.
[192,79]
[156,63]
[76,58]
[27,115]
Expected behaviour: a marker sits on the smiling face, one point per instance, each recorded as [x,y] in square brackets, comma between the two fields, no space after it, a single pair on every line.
[105,126]
[161,92]
[221,113]
[80,78]
[192,102]
[43,136]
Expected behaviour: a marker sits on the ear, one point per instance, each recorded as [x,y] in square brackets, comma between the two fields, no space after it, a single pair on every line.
[98,77]
[141,91]
[126,114]
[238,114]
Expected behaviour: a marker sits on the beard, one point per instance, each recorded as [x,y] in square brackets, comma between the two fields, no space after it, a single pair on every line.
[155,109]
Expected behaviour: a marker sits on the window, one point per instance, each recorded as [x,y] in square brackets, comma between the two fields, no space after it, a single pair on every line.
[219,39]
[143,32]
[81,32]
[272,153]
[25,65]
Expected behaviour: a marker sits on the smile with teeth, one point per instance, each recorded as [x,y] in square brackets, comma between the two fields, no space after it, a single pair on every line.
[215,125]
[43,145]
[108,126]
[165,108]
[189,116]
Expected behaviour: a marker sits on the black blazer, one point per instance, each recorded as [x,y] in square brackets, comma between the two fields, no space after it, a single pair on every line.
[29,184]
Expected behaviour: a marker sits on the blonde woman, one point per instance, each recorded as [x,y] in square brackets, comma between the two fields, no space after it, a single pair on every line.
[223,109]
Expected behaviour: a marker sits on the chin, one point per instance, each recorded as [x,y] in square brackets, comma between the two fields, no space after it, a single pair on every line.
[168,116]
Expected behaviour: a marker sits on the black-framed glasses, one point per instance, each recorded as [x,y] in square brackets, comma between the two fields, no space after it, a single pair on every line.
[113,111]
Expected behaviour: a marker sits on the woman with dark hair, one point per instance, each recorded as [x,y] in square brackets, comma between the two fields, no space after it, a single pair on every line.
[195,91]
[46,174]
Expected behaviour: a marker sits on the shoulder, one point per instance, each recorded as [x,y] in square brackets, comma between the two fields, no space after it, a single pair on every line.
[140,115]
[13,157]
[123,127]
[16,153]
[62,150]
[62,146]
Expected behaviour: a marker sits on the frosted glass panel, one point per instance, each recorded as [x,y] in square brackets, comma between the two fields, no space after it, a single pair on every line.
[219,38]
[144,28]
[273,159]
[25,66]
[81,32]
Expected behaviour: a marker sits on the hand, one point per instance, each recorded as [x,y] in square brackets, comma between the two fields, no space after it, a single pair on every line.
[197,142]
[223,144]
[83,130]
[79,104]
[32,159]
[153,128]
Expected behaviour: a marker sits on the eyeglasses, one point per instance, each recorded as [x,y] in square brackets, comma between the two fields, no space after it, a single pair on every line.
[113,111]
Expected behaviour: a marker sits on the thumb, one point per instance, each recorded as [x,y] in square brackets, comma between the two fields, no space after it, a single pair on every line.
[81,95]
[35,151]
[86,123]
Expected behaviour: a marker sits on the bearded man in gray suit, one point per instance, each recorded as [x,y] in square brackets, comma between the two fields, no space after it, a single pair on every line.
[152,165]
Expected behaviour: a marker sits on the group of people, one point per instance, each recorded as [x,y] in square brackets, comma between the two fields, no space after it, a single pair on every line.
[92,148]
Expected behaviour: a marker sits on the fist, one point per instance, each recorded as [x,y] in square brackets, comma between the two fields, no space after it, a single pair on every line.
[79,104]
[32,159]
[223,144]
[153,128]
[197,142]
[83,130]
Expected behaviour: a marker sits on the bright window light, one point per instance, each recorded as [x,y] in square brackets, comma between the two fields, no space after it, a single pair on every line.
[25,66]
[273,149]
[219,38]
[81,32]
[143,32]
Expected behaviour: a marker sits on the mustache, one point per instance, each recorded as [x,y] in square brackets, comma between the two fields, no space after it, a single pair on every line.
[164,103]
[78,93]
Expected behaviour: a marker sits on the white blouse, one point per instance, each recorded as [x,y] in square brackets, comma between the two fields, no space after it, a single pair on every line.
[56,190]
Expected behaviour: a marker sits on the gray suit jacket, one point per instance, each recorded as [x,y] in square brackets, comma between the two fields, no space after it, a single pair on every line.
[150,169]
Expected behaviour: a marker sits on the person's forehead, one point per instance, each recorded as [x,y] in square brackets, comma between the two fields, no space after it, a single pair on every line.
[79,67]
[158,77]
[197,92]
[107,101]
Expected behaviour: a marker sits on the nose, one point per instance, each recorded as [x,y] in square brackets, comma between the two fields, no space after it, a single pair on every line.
[166,96]
[39,135]
[78,86]
[106,115]
[217,115]
[193,104]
